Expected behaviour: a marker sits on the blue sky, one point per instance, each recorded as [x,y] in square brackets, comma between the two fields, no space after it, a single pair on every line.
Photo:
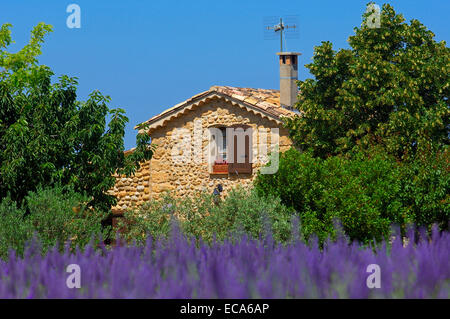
[151,55]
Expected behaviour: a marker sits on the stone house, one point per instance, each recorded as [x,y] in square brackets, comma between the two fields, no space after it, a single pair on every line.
[221,136]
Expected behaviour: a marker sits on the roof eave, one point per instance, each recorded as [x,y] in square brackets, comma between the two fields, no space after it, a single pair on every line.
[181,108]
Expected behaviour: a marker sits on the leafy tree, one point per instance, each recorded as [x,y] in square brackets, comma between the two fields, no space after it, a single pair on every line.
[49,138]
[391,88]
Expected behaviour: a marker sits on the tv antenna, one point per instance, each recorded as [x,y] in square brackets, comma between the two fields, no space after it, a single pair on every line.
[284,27]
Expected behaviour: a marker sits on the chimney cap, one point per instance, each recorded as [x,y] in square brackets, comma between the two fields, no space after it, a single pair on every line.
[289,53]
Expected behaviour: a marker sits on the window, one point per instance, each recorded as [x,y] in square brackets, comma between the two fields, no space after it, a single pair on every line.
[231,150]
[219,164]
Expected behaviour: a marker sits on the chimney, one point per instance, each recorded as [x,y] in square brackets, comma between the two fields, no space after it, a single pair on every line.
[288,77]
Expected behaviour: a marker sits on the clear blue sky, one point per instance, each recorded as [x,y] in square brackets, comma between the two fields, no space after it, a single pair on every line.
[150,55]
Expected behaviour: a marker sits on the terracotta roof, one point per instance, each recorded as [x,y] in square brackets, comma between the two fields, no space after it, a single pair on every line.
[268,100]
[259,101]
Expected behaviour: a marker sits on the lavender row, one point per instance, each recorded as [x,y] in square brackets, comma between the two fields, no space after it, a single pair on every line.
[180,268]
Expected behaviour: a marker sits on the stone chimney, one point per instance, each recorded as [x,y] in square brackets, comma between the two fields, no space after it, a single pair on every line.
[288,78]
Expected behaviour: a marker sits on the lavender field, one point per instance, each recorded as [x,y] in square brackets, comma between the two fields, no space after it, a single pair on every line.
[245,269]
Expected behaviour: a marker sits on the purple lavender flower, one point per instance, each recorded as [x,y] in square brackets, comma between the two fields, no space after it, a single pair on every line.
[181,268]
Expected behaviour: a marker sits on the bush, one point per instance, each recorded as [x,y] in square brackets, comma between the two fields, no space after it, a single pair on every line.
[244,211]
[56,216]
[367,193]
[151,219]
[241,211]
[59,216]
[15,230]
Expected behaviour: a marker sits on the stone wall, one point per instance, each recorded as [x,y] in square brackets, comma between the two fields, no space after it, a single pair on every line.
[187,177]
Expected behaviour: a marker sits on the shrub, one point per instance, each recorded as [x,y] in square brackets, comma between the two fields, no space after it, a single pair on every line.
[15,230]
[151,219]
[367,193]
[61,215]
[241,211]
[56,216]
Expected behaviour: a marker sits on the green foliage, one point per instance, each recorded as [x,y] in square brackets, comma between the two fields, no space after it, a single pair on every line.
[425,188]
[60,216]
[244,210]
[366,193]
[47,137]
[15,230]
[153,219]
[241,211]
[57,217]
[391,89]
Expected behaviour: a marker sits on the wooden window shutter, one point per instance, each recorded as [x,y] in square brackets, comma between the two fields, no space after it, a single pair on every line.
[244,164]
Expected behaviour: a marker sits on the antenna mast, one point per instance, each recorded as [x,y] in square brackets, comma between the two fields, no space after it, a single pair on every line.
[280,27]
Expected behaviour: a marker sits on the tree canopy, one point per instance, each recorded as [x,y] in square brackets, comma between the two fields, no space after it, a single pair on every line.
[390,88]
[48,137]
